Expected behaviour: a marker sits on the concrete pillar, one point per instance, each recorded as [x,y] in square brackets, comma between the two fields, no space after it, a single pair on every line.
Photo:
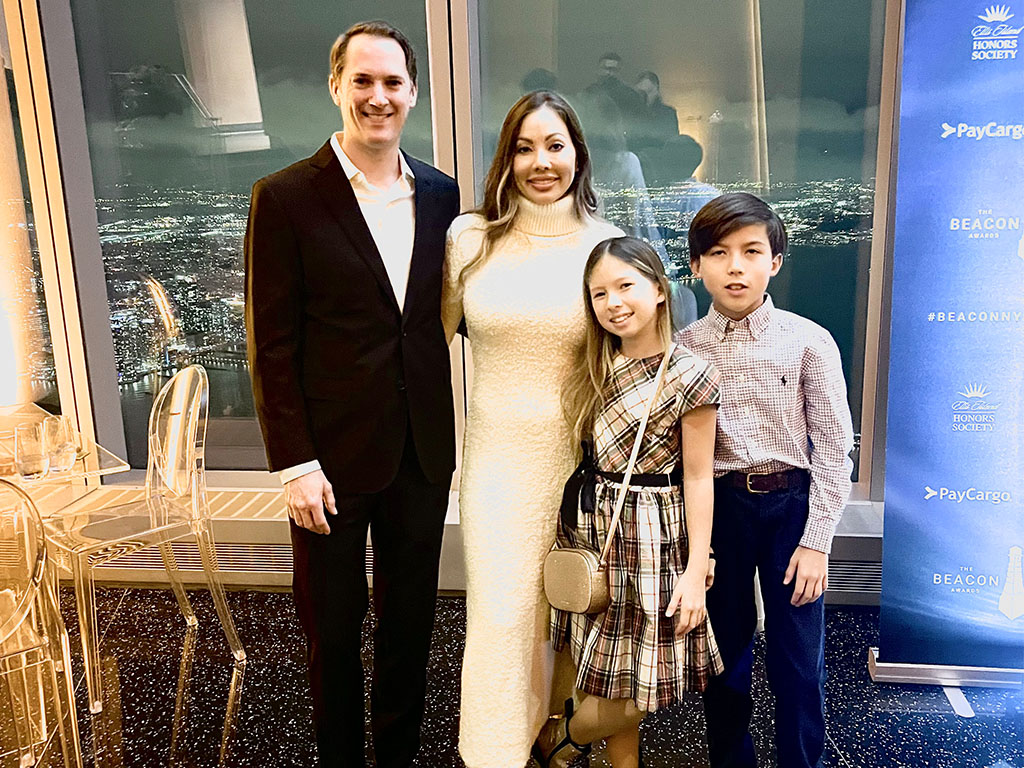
[220,70]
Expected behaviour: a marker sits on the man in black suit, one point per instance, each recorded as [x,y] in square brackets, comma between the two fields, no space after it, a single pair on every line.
[351,379]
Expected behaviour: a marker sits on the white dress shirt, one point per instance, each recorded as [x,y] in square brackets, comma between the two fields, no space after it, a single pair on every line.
[390,215]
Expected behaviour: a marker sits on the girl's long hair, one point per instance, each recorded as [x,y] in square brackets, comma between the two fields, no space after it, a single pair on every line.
[501,195]
[584,388]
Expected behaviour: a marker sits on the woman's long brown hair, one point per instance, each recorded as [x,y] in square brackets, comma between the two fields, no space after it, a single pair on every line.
[501,195]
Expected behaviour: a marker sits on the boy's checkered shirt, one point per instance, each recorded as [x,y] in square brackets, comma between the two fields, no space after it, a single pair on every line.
[783,405]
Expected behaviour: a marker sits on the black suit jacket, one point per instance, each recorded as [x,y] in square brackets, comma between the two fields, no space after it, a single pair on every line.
[339,372]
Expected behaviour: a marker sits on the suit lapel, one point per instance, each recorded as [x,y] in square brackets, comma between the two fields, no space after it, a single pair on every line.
[336,191]
[420,266]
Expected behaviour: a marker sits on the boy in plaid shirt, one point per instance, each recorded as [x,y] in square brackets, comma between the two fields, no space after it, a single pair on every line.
[782,478]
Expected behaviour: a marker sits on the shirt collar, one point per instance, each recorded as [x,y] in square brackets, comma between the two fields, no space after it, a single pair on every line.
[756,322]
[351,171]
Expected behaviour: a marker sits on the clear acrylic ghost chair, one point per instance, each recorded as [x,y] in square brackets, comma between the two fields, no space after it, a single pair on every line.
[175,506]
[36,690]
[108,726]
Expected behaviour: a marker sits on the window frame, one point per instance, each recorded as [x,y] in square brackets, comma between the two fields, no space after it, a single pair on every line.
[64,210]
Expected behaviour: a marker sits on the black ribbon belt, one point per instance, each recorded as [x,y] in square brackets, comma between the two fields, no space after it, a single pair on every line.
[580,492]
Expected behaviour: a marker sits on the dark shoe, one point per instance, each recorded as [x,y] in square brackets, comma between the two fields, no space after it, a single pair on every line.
[563,749]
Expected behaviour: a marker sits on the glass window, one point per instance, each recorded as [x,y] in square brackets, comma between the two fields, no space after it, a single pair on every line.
[187,103]
[28,373]
[681,101]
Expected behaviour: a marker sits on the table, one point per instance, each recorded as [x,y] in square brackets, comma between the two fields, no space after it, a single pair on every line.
[93,459]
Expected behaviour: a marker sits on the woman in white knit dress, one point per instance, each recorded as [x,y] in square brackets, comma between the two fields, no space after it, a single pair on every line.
[513,272]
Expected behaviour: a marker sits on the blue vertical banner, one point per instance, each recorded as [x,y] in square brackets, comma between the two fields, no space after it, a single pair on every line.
[952,590]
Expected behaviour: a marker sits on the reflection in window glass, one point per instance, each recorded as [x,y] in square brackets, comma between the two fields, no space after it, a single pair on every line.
[187,103]
[27,374]
[681,101]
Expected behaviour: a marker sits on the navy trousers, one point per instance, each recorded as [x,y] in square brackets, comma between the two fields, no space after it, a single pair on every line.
[762,531]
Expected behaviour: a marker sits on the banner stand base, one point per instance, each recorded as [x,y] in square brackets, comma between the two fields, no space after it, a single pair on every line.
[936,674]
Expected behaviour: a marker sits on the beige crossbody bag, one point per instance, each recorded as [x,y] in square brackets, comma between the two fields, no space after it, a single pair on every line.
[576,578]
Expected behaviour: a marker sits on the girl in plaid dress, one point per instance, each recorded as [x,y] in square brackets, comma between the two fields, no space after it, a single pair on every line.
[653,643]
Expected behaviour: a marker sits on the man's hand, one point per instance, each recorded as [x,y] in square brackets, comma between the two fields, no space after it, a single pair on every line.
[306,497]
[810,568]
[710,578]
[688,602]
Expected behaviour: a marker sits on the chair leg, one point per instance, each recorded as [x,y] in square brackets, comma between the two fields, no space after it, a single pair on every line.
[21,710]
[108,747]
[86,599]
[63,683]
[231,713]
[59,714]
[204,540]
[184,694]
[174,576]
[58,650]
[31,682]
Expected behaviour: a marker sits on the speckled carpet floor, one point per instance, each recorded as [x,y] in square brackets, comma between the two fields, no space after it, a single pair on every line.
[165,705]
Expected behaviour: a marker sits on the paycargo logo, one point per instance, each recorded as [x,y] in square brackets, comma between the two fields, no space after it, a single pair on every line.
[992,130]
[995,39]
[967,494]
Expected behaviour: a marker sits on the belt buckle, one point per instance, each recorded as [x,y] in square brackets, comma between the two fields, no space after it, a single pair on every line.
[755,474]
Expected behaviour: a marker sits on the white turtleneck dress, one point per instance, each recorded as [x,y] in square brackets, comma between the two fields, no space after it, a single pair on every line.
[525,317]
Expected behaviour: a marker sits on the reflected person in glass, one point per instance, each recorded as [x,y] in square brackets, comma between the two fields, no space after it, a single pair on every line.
[352,384]
[657,122]
[674,169]
[624,197]
[680,194]
[513,272]
[610,85]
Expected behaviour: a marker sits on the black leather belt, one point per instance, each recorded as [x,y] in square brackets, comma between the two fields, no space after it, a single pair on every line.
[765,482]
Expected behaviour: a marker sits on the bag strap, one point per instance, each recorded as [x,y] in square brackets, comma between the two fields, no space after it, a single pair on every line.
[621,500]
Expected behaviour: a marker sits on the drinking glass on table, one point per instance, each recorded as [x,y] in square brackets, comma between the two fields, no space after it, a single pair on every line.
[59,439]
[30,455]
[7,454]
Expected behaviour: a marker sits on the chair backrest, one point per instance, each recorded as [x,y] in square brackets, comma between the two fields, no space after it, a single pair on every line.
[22,558]
[177,434]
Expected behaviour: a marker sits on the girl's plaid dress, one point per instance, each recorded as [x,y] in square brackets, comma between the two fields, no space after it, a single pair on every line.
[630,650]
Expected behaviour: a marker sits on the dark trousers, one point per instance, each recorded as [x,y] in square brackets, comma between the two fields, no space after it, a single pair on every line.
[762,531]
[406,522]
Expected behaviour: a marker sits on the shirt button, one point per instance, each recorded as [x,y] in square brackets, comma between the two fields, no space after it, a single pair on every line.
[746,410]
